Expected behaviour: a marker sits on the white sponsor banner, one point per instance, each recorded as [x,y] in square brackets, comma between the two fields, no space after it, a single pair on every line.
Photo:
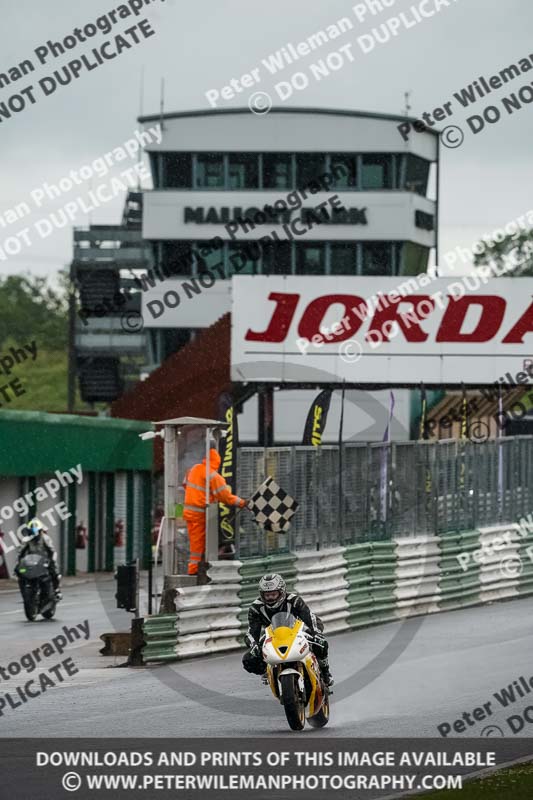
[381,330]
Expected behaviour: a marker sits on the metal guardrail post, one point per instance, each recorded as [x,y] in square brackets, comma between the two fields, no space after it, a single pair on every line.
[291,490]
[434,467]
[171,485]
[211,536]
[135,655]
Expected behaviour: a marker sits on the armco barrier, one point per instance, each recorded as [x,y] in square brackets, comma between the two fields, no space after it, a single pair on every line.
[160,633]
[321,580]
[350,587]
[459,587]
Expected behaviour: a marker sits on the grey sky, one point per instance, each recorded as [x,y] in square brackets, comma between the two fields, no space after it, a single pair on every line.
[202,45]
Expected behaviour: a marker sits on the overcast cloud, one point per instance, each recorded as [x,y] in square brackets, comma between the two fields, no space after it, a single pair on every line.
[202,45]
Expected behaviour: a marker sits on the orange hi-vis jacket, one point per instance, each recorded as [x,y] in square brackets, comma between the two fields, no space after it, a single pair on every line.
[219,491]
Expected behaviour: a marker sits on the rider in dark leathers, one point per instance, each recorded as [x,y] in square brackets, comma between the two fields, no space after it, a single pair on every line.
[38,542]
[273,599]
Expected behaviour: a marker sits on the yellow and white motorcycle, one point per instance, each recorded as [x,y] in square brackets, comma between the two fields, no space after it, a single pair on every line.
[293,672]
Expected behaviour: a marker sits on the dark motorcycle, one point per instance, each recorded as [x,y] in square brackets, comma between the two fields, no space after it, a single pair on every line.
[36,586]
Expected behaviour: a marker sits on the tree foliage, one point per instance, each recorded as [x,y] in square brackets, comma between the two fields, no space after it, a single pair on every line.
[511,257]
[31,309]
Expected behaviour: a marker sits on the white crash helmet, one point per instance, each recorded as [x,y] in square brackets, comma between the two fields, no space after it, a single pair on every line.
[273,583]
[33,528]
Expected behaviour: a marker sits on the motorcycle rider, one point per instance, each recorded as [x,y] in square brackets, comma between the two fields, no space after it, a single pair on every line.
[273,599]
[38,542]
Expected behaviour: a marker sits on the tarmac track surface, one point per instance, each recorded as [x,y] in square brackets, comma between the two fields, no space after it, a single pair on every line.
[452,663]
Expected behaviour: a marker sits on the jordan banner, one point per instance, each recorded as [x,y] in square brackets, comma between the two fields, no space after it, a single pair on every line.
[316,419]
[228,470]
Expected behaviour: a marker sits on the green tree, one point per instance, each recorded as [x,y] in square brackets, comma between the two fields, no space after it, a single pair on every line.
[31,309]
[512,257]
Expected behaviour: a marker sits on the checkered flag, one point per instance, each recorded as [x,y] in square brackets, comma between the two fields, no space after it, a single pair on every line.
[272,507]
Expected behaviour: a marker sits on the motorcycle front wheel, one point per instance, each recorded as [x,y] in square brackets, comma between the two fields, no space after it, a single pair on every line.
[30,597]
[293,702]
[322,717]
[48,602]
[49,612]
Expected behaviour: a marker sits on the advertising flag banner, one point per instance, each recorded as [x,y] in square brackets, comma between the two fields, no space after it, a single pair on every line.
[228,470]
[423,413]
[316,419]
[423,434]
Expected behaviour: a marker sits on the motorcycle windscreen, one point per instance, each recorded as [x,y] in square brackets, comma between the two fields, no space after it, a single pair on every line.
[283,619]
[34,566]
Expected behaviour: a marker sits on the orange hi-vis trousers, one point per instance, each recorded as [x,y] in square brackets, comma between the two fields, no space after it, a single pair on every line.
[196,529]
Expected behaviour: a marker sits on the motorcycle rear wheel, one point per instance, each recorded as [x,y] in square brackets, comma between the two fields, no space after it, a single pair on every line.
[322,717]
[293,702]
[31,602]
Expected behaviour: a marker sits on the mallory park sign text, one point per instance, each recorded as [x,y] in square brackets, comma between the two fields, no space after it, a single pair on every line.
[254,216]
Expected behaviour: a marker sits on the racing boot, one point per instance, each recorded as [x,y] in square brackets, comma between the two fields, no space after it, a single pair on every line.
[326,674]
[57,587]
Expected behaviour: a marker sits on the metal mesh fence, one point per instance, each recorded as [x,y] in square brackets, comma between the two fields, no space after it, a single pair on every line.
[378,491]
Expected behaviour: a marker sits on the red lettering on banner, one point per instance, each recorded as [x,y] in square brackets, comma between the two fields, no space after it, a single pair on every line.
[280,323]
[492,312]
[524,325]
[408,322]
[316,311]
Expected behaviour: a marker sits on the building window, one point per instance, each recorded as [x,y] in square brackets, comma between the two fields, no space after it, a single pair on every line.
[343,258]
[277,171]
[400,167]
[177,170]
[244,258]
[277,258]
[343,171]
[311,258]
[178,258]
[172,340]
[376,172]
[417,176]
[155,160]
[209,171]
[414,259]
[309,167]
[377,258]
[243,171]
[208,258]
